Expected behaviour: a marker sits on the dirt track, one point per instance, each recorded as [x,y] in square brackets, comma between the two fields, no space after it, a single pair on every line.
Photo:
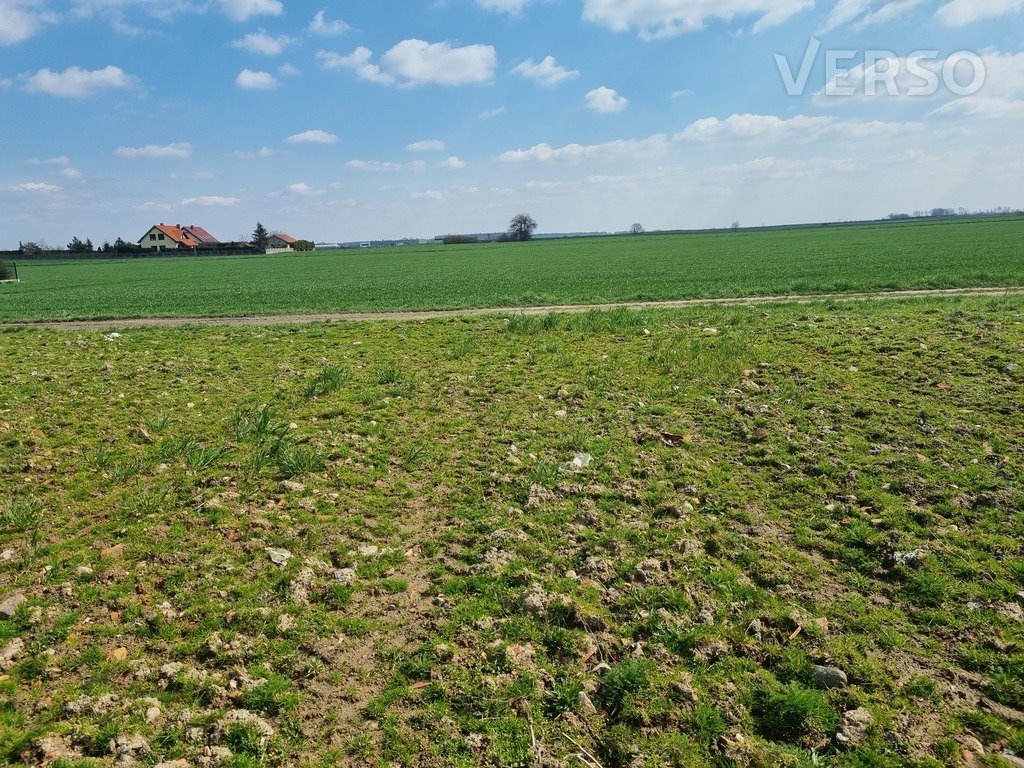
[256,320]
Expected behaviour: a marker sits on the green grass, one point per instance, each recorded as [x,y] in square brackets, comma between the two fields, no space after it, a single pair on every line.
[453,601]
[596,270]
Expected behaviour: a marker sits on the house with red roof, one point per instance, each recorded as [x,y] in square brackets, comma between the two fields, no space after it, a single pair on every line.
[165,237]
[281,241]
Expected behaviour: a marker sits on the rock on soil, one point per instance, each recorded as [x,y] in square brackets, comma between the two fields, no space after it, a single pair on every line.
[856,726]
[828,677]
[10,605]
[10,652]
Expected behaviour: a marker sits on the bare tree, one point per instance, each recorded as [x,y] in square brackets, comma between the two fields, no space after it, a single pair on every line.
[637,229]
[522,227]
[735,226]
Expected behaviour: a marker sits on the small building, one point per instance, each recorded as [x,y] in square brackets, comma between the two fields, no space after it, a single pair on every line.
[165,237]
[281,241]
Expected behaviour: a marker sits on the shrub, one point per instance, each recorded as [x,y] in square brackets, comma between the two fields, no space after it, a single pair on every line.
[627,680]
[793,714]
[5,272]
[460,239]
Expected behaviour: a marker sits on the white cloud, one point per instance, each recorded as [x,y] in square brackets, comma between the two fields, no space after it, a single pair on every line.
[768,128]
[211,201]
[453,163]
[243,10]
[431,145]
[156,152]
[487,114]
[358,61]
[681,93]
[288,70]
[263,43]
[262,152]
[71,173]
[421,63]
[256,81]
[430,194]
[61,160]
[784,168]
[888,13]
[666,18]
[36,187]
[21,19]
[605,100]
[960,13]
[312,137]
[622,148]
[843,12]
[78,83]
[984,107]
[301,188]
[372,165]
[320,26]
[547,72]
[417,62]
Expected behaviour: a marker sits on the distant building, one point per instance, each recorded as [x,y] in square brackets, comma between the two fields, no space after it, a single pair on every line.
[281,241]
[164,237]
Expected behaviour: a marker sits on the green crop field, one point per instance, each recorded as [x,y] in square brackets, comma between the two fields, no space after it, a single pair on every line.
[663,267]
[718,537]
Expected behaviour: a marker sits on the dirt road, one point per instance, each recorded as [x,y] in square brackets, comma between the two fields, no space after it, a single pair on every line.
[257,320]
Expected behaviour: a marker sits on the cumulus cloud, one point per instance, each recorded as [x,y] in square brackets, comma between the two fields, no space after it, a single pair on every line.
[960,13]
[263,43]
[373,165]
[666,18]
[36,187]
[453,163]
[324,28]
[301,188]
[547,72]
[21,19]
[243,10]
[78,83]
[416,62]
[156,152]
[312,137]
[431,145]
[605,100]
[211,201]
[256,81]
[888,13]
[621,148]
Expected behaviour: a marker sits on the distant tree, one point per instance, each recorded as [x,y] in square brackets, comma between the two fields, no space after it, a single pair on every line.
[460,239]
[260,237]
[30,248]
[522,227]
[305,245]
[77,246]
[637,229]
[5,272]
[735,226]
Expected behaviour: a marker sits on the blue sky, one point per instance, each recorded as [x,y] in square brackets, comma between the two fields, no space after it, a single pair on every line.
[363,119]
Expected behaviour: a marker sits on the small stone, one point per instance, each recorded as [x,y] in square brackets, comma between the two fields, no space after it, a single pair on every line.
[856,727]
[174,764]
[914,559]
[1012,759]
[828,677]
[368,550]
[10,652]
[579,461]
[561,414]
[285,622]
[971,744]
[756,629]
[117,654]
[1020,597]
[751,386]
[279,556]
[7,555]
[585,705]
[293,487]
[711,331]
[84,570]
[153,714]
[345,575]
[52,748]
[10,605]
